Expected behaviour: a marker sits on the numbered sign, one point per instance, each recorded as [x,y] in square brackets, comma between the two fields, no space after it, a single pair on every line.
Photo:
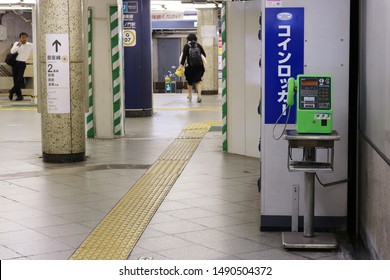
[129,38]
[57,73]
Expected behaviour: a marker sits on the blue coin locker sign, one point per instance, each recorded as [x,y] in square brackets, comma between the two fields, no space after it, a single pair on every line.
[284,47]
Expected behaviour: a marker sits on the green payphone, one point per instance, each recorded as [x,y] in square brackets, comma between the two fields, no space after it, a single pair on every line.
[314,103]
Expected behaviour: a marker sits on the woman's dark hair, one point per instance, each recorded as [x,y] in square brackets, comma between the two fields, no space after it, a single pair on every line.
[191,37]
[22,33]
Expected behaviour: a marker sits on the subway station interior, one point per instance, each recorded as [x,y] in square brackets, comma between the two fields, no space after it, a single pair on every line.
[287,156]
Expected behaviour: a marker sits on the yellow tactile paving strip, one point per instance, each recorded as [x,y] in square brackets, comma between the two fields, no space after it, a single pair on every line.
[116,235]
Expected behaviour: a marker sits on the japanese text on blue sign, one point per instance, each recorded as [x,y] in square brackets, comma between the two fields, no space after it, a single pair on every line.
[284,37]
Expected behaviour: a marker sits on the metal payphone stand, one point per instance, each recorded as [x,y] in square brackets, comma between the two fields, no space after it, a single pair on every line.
[310,143]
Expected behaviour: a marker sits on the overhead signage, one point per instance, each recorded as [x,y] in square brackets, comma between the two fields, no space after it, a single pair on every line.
[57,73]
[167,15]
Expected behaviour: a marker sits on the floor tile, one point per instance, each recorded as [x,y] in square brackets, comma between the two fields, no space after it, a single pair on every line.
[217,221]
[161,243]
[273,239]
[6,226]
[203,201]
[63,255]
[71,207]
[242,230]
[236,246]
[250,216]
[39,247]
[73,241]
[191,213]
[64,230]
[205,236]
[177,195]
[153,255]
[195,252]
[172,205]
[7,254]
[177,227]
[227,208]
[44,221]
[162,217]
[150,233]
[317,254]
[271,254]
[85,216]
[20,236]
[25,213]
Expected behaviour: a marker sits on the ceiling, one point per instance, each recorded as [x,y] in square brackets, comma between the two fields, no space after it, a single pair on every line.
[183,5]
[167,5]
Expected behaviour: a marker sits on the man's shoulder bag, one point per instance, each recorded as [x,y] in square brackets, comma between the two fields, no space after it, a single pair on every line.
[11,58]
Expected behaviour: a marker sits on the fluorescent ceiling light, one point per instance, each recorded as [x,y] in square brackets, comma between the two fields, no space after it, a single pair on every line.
[178,6]
[16,4]
[12,2]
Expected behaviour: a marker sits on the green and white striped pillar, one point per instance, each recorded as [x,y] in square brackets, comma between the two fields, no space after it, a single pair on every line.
[224,82]
[116,77]
[89,118]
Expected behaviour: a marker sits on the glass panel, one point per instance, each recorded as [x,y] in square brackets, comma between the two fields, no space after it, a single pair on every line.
[375,73]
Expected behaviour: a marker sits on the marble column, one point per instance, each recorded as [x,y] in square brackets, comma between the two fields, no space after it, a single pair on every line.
[208,38]
[63,132]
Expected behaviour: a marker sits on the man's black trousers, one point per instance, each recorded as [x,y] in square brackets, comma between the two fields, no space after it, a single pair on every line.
[17,73]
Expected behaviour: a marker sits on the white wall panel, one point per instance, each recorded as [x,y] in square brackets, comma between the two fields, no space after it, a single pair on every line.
[326,51]
[243,80]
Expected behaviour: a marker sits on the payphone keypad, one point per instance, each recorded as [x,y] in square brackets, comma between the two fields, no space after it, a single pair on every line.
[315,93]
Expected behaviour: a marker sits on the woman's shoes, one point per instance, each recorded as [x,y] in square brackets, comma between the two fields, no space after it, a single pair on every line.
[190,99]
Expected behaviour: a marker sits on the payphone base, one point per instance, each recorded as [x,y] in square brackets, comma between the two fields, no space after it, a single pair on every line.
[296,240]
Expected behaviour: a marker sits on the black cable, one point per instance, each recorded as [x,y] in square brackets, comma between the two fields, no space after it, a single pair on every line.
[285,125]
[331,183]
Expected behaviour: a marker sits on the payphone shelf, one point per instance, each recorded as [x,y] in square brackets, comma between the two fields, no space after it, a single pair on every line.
[292,134]
[310,166]
[309,144]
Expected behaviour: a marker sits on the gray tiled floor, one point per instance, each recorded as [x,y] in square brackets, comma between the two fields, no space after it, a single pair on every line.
[212,211]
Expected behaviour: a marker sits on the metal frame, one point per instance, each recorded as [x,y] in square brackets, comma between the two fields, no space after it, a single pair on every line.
[310,143]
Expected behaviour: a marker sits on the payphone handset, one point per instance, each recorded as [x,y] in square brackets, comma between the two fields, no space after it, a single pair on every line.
[314,103]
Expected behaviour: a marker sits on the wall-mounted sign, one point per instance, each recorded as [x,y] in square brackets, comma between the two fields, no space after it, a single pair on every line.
[130,7]
[273,3]
[284,54]
[57,73]
[167,15]
[129,38]
[131,15]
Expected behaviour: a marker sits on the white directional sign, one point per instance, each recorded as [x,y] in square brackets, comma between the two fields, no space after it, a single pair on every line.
[57,73]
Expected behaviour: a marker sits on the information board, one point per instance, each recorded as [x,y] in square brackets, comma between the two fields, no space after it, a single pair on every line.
[57,73]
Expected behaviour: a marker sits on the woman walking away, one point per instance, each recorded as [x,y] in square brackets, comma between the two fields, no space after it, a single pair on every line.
[194,56]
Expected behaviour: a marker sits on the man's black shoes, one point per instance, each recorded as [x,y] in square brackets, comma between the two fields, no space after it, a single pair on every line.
[19,98]
[11,94]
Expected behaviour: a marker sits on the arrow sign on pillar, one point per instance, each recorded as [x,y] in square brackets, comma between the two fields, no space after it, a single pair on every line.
[56,43]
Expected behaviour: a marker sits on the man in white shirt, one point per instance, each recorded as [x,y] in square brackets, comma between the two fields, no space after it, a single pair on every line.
[23,48]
